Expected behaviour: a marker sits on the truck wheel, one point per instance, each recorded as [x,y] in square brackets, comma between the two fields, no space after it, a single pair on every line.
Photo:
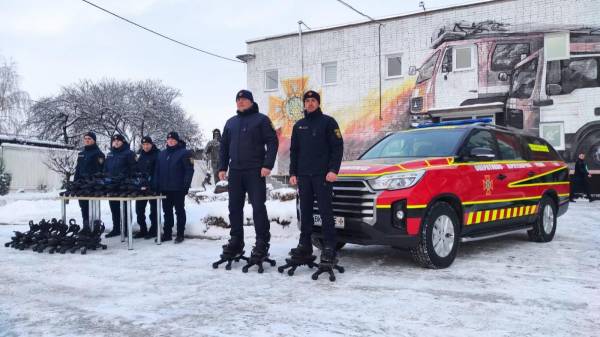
[438,240]
[318,243]
[544,226]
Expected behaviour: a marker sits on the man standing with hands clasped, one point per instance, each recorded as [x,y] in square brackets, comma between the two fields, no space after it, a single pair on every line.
[248,149]
[315,158]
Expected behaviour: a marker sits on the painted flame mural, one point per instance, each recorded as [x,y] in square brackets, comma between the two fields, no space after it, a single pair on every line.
[361,123]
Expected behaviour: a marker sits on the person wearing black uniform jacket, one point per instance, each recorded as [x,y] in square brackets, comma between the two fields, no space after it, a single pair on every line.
[146,162]
[173,175]
[90,161]
[315,157]
[248,149]
[580,178]
[120,162]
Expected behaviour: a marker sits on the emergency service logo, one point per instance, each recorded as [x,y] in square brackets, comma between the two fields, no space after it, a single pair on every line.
[488,185]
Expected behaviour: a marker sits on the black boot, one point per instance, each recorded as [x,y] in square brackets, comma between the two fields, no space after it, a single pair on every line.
[259,255]
[232,251]
[141,234]
[301,255]
[166,237]
[329,263]
[151,233]
[179,238]
[114,232]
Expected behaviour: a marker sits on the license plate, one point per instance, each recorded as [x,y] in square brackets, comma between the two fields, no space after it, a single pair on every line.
[339,221]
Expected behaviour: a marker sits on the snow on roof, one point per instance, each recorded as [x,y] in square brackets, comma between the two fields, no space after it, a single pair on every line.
[33,142]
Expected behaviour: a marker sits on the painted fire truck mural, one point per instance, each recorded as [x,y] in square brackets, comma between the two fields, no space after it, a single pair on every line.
[544,80]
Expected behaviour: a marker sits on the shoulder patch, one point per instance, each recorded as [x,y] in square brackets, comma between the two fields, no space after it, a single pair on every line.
[338,133]
[191,160]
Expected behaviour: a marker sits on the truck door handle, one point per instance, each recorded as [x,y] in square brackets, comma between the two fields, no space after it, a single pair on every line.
[473,90]
[501,176]
[530,174]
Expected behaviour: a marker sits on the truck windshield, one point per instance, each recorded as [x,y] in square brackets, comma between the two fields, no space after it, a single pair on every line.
[524,80]
[426,71]
[418,143]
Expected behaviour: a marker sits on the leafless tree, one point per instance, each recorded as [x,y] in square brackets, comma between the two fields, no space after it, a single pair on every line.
[63,163]
[14,103]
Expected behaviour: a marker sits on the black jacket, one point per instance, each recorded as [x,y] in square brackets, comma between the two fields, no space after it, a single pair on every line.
[244,139]
[146,161]
[120,162]
[317,146]
[581,170]
[89,162]
[174,169]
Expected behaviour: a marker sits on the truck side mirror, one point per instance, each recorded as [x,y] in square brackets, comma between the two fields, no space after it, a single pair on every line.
[553,89]
[412,71]
[482,153]
[503,76]
[445,68]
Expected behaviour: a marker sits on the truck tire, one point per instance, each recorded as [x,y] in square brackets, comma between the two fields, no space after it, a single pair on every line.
[544,226]
[439,238]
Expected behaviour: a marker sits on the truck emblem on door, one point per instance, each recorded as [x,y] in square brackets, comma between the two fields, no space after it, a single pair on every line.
[488,185]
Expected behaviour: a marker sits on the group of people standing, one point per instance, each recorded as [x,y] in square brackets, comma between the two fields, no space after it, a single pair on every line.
[246,155]
[169,172]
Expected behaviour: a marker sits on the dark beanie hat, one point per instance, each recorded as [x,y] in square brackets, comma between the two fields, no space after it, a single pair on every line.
[147,139]
[245,94]
[173,135]
[312,94]
[216,131]
[91,135]
[118,137]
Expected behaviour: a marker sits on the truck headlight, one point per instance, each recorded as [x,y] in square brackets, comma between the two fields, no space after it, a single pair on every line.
[396,181]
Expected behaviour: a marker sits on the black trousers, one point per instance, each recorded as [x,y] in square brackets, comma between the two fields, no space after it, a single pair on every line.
[580,184]
[140,212]
[250,182]
[85,211]
[309,189]
[175,200]
[115,210]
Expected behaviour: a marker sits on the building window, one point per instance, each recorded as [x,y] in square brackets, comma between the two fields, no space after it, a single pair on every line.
[553,133]
[394,65]
[330,73]
[271,80]
[463,58]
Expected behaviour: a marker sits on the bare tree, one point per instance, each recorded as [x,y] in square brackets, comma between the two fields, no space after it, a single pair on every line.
[63,163]
[14,103]
[133,109]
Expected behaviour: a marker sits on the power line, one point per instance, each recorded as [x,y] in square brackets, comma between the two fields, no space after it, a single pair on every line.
[161,35]
[356,10]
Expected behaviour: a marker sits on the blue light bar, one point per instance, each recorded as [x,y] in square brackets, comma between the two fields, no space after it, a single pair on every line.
[460,122]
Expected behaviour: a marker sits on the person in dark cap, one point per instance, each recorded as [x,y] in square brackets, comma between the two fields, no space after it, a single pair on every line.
[145,164]
[315,157]
[248,150]
[90,161]
[212,153]
[120,162]
[173,175]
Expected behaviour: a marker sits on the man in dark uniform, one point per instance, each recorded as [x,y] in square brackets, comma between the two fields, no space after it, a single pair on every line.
[172,178]
[248,149]
[146,162]
[580,178]
[89,162]
[120,162]
[315,157]
[212,154]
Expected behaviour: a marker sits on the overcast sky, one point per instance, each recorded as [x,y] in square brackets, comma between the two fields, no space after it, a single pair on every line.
[59,42]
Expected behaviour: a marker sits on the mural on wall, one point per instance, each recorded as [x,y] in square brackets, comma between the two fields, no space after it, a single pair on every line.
[360,124]
[469,69]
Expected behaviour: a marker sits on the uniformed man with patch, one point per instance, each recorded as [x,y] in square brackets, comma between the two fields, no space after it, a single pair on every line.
[145,164]
[89,162]
[248,150]
[315,157]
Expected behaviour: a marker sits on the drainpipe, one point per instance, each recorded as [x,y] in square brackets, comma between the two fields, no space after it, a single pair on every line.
[300,23]
[379,60]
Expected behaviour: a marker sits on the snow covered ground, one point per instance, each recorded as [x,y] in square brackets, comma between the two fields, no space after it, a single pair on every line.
[501,287]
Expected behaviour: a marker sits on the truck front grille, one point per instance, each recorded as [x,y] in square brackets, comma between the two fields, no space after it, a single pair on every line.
[352,199]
